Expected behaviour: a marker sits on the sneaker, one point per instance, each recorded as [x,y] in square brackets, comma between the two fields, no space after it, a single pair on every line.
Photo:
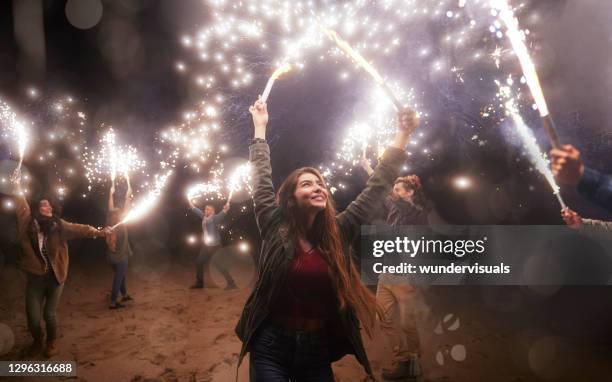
[116,305]
[197,286]
[127,297]
[51,349]
[410,369]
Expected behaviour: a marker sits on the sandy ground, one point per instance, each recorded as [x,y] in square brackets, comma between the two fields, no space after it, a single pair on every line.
[173,333]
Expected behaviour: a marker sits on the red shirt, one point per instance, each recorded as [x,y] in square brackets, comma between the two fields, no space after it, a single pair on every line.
[308,292]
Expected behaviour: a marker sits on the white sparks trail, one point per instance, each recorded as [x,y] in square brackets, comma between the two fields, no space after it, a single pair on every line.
[240,178]
[517,39]
[363,63]
[146,204]
[540,160]
[15,128]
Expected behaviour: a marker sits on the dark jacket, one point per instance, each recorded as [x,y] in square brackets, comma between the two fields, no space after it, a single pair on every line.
[402,212]
[596,187]
[278,248]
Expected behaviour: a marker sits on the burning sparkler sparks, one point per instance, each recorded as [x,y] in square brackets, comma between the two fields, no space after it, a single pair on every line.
[517,39]
[14,127]
[540,160]
[148,202]
[208,191]
[111,159]
[240,178]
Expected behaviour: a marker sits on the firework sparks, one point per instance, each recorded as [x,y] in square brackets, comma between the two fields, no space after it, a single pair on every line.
[112,159]
[540,160]
[14,127]
[209,191]
[148,202]
[241,177]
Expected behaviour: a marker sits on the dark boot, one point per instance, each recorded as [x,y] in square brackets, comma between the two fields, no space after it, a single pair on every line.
[409,370]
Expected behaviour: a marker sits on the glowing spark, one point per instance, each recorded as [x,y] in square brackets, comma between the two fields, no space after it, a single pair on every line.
[540,160]
[462,182]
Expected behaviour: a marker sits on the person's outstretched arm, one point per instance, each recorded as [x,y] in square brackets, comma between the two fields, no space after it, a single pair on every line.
[81,231]
[264,199]
[378,186]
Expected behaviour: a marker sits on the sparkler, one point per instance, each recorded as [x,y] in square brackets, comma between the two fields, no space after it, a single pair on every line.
[363,63]
[239,178]
[112,159]
[277,73]
[517,40]
[15,127]
[148,202]
[210,190]
[537,157]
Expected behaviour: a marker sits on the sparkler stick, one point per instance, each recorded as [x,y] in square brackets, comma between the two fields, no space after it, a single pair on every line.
[277,73]
[363,63]
[517,40]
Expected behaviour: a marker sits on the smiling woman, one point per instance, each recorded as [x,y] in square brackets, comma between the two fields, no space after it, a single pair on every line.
[309,301]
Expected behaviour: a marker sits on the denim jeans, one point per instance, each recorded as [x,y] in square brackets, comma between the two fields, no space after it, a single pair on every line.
[120,269]
[42,296]
[279,355]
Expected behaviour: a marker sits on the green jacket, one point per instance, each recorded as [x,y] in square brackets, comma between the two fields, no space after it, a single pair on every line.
[278,248]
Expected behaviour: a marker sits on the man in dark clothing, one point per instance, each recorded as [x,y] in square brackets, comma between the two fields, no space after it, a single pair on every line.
[212,243]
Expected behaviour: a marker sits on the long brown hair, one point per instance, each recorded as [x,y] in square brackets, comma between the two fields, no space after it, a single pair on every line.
[325,236]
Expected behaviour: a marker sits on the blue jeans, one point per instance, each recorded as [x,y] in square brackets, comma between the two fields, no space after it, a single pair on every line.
[42,296]
[279,355]
[119,280]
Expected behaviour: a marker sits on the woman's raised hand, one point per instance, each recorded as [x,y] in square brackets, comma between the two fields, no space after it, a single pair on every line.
[259,112]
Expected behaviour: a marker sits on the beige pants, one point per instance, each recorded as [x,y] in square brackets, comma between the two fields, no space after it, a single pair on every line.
[399,324]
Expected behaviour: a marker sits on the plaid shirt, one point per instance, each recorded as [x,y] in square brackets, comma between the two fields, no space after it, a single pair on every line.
[596,187]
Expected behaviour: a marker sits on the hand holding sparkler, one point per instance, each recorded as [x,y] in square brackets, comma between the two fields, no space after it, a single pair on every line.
[407,122]
[571,218]
[259,112]
[567,166]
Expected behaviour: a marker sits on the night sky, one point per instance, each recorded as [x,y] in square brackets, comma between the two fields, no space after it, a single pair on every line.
[122,70]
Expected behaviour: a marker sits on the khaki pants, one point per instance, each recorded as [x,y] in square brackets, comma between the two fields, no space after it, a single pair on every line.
[399,324]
